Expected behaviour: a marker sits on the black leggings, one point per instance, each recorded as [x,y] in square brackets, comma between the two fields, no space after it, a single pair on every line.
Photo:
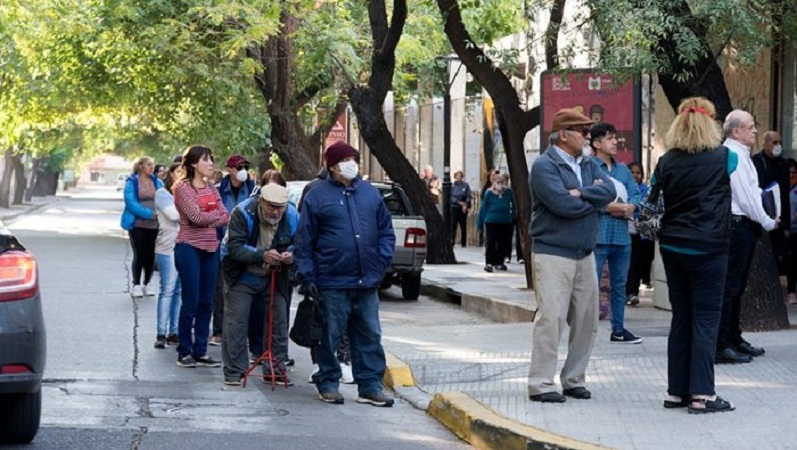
[143,242]
[459,219]
[498,242]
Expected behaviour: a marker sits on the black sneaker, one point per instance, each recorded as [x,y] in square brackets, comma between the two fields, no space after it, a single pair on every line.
[488,268]
[626,337]
[186,361]
[160,341]
[172,339]
[502,267]
[376,399]
[207,361]
[632,300]
[333,397]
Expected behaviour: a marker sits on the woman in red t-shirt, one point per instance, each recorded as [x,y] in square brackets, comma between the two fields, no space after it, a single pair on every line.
[196,254]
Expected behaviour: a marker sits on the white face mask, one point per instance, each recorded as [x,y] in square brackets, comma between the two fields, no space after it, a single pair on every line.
[777,150]
[348,169]
[499,187]
[241,176]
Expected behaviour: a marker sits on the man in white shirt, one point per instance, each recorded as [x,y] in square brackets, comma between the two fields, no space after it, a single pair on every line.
[748,218]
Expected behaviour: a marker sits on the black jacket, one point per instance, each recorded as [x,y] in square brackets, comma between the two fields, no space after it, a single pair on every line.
[697,199]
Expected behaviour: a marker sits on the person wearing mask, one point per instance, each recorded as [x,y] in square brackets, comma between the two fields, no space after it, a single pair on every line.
[344,244]
[642,249]
[614,241]
[695,177]
[495,217]
[568,191]
[791,284]
[234,188]
[460,205]
[196,253]
[140,219]
[170,292]
[259,241]
[772,168]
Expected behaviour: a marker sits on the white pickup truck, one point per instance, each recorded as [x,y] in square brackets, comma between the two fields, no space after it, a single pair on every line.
[410,230]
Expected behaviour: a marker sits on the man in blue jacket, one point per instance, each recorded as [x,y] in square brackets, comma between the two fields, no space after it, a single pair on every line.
[344,244]
[567,193]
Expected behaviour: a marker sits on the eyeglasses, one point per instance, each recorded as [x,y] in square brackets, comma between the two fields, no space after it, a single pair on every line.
[584,131]
[242,167]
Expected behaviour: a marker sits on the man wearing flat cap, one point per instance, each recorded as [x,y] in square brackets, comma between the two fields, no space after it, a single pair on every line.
[344,244]
[567,193]
[259,241]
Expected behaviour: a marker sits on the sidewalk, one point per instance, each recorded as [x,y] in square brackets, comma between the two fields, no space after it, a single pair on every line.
[489,364]
[7,214]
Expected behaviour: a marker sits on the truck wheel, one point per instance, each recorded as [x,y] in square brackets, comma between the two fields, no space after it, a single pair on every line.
[19,417]
[411,286]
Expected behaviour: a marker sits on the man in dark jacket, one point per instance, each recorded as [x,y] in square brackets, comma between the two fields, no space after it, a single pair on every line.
[258,244]
[344,244]
[772,168]
[567,193]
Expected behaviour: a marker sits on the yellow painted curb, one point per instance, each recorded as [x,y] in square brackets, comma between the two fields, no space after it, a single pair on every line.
[485,429]
[398,373]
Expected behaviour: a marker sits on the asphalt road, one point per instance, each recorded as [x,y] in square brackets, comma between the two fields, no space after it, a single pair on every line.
[107,388]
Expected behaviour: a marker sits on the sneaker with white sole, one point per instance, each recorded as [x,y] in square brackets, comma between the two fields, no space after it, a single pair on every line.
[232,381]
[137,291]
[346,376]
[186,361]
[333,397]
[207,361]
[315,371]
[146,291]
[215,341]
[626,337]
[377,398]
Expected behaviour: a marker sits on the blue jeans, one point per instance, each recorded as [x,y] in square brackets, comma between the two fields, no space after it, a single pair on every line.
[695,284]
[169,295]
[619,256]
[359,308]
[197,269]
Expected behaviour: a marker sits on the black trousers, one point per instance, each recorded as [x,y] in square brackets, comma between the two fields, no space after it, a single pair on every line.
[218,305]
[695,284]
[642,252]
[743,241]
[143,242]
[459,219]
[498,242]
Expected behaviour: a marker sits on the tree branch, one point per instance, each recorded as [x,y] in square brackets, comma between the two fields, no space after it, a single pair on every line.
[552,34]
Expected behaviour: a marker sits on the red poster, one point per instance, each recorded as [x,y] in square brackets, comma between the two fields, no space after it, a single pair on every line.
[598,98]
[338,131]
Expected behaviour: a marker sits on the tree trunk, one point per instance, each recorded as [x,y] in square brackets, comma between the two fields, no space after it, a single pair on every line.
[34,172]
[20,181]
[367,101]
[762,307]
[513,121]
[5,182]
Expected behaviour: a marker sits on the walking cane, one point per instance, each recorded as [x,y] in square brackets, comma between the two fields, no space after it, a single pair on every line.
[267,357]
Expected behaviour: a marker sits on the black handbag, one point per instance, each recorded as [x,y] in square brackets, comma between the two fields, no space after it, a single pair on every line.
[651,213]
[308,325]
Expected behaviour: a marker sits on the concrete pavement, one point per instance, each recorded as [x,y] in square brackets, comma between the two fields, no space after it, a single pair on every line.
[477,376]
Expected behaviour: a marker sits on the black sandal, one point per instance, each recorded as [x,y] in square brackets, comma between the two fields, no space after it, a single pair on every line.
[711,406]
[669,404]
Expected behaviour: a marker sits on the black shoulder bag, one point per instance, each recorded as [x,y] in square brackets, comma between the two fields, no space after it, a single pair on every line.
[308,324]
[651,213]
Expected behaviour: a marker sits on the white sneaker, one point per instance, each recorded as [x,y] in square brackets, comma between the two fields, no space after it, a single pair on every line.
[315,371]
[137,291]
[146,291]
[346,377]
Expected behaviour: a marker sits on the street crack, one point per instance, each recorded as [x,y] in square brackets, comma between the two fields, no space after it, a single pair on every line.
[143,408]
[128,277]
[138,437]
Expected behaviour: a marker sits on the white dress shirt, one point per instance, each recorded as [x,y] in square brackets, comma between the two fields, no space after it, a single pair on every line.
[745,193]
[573,162]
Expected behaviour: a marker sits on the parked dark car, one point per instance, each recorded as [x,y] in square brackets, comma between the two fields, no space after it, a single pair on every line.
[22,342]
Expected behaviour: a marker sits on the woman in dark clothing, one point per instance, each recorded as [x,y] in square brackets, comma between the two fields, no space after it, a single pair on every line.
[460,205]
[495,217]
[487,185]
[642,249]
[694,178]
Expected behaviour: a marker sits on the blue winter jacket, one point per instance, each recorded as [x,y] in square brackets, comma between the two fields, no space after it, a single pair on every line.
[345,238]
[225,191]
[133,209]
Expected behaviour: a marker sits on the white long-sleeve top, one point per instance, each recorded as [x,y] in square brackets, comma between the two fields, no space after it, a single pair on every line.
[745,193]
[168,222]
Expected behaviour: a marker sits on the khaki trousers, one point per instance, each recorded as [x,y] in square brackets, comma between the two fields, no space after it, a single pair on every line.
[566,291]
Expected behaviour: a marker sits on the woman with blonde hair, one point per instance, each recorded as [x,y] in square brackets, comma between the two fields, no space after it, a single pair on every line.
[693,177]
[141,222]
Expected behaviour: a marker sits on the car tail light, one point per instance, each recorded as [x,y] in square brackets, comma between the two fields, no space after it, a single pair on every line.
[19,277]
[415,238]
[14,368]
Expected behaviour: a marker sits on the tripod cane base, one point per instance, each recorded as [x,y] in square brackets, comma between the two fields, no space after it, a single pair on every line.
[276,375]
